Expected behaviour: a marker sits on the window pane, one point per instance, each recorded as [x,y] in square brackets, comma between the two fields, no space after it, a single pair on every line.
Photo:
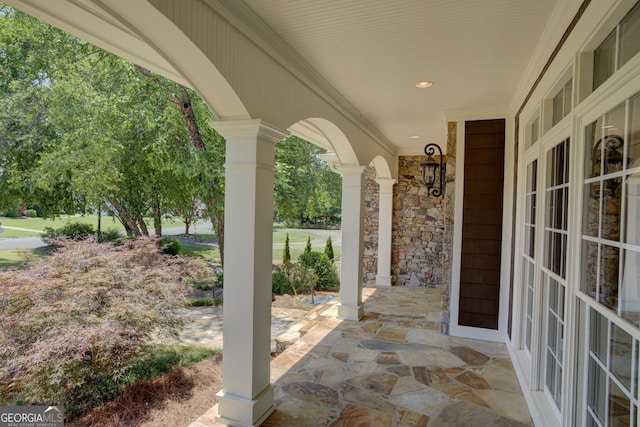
[611,209]
[630,293]
[593,153]
[599,335]
[608,287]
[613,141]
[597,390]
[621,355]
[632,223]
[630,35]
[589,281]
[604,60]
[558,105]
[591,209]
[633,144]
[619,406]
[567,97]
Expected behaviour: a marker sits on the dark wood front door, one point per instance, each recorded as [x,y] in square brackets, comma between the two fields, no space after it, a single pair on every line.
[482,223]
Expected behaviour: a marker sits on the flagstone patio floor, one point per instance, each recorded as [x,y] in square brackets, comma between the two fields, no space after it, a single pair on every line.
[392,368]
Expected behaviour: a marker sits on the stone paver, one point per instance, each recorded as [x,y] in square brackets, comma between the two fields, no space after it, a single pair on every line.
[392,369]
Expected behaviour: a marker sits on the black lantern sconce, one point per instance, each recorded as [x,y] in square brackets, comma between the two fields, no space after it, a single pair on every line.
[613,158]
[430,169]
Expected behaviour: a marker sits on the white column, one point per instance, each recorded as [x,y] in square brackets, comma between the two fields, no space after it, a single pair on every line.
[246,398]
[385,218]
[351,307]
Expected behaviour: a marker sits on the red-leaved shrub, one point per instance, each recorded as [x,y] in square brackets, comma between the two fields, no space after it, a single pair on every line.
[82,316]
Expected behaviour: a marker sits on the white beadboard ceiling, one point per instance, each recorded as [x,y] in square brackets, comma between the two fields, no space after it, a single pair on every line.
[374,52]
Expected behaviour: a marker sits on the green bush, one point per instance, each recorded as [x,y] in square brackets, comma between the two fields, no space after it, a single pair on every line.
[11,212]
[111,235]
[204,302]
[30,213]
[73,231]
[325,273]
[171,246]
[291,279]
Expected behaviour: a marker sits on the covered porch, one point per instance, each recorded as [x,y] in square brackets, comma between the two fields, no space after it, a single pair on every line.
[392,368]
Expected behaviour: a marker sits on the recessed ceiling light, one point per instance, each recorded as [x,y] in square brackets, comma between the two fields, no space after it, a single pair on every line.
[424,84]
[415,137]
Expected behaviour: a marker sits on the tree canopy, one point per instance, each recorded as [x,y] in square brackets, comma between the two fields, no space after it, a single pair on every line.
[83,130]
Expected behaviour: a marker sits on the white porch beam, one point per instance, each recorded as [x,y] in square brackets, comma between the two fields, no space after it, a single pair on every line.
[351,307]
[385,218]
[246,398]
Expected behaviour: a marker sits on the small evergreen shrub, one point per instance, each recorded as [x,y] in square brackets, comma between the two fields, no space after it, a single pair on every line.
[286,252]
[30,213]
[307,247]
[328,249]
[171,246]
[204,302]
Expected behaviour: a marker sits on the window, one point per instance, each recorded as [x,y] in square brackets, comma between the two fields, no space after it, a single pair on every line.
[612,374]
[554,265]
[529,252]
[611,211]
[534,132]
[610,264]
[622,44]
[562,103]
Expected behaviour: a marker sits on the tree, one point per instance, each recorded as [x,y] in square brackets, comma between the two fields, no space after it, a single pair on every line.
[307,247]
[286,253]
[328,249]
[306,190]
[82,129]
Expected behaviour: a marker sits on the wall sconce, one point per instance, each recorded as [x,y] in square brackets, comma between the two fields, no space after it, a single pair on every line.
[612,156]
[430,169]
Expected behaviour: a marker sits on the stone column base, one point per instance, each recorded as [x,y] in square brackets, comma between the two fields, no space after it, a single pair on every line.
[235,410]
[349,312]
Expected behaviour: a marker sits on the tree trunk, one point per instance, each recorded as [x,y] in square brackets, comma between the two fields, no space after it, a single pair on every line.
[217,221]
[142,226]
[125,218]
[187,225]
[157,218]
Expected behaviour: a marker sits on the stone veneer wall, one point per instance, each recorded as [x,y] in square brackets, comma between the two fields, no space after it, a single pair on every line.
[418,229]
[371,216]
[422,239]
[448,213]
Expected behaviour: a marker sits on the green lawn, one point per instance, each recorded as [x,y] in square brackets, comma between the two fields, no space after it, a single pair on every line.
[279,236]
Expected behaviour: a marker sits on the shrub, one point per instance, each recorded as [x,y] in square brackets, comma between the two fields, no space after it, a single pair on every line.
[204,302]
[328,249]
[291,279]
[30,213]
[325,273]
[82,316]
[72,231]
[11,212]
[286,252]
[111,235]
[307,247]
[171,246]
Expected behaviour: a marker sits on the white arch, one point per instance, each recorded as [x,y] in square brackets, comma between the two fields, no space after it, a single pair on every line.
[327,135]
[382,167]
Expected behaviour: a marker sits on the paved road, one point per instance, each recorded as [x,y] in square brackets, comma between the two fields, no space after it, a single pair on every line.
[320,237]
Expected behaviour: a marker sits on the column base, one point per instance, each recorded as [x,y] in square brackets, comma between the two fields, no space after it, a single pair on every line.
[383,280]
[238,411]
[349,312]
